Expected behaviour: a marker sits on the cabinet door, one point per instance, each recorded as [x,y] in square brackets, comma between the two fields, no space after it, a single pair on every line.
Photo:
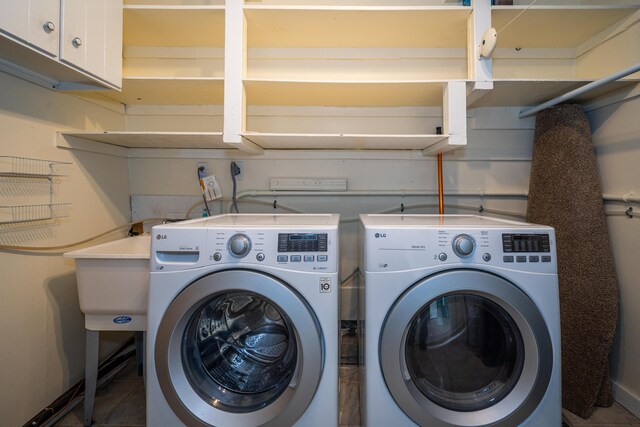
[113,42]
[44,25]
[73,44]
[14,18]
[95,35]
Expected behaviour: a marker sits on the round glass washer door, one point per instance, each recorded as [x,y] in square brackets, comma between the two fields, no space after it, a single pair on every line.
[472,349]
[239,347]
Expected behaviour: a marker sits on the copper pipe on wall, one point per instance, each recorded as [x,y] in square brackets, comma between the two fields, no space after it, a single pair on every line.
[440,186]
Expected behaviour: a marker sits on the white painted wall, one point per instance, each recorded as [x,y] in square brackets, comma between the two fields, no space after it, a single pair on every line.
[41,326]
[616,137]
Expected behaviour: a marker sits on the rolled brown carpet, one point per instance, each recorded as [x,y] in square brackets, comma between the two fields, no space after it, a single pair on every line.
[565,193]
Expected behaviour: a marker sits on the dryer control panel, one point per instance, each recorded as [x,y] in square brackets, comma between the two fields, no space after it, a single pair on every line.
[403,248]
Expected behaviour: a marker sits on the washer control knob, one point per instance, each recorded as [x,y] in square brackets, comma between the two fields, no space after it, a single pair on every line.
[239,245]
[486,257]
[260,256]
[442,256]
[217,256]
[463,245]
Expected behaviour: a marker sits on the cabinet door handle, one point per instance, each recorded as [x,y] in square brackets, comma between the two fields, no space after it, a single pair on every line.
[49,26]
[77,42]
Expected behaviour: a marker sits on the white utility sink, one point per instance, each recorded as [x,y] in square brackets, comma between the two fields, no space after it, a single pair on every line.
[113,284]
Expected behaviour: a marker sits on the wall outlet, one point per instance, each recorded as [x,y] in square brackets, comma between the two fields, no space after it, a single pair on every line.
[241,166]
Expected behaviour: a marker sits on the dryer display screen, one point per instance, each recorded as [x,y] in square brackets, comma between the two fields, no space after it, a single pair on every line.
[302,242]
[525,243]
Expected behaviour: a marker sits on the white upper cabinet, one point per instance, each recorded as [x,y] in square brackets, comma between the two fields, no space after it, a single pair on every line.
[35,22]
[92,37]
[65,44]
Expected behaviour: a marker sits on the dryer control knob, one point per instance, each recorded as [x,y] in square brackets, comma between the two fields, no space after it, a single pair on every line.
[239,245]
[463,245]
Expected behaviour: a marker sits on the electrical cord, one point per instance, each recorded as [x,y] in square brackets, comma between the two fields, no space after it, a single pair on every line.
[235,170]
[350,276]
[72,245]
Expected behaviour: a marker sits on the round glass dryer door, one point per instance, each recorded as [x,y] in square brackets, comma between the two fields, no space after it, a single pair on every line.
[237,348]
[472,349]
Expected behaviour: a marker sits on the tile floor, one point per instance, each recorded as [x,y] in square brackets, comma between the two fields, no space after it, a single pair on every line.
[121,402]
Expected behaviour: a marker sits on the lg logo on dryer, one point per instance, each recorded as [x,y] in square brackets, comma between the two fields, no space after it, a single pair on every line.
[379,235]
[161,237]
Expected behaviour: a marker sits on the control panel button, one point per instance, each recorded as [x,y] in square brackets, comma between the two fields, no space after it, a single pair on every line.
[322,258]
[260,256]
[534,258]
[463,245]
[296,258]
[283,258]
[442,256]
[546,258]
[239,245]
[309,258]
[486,257]
[521,259]
[507,258]
[217,256]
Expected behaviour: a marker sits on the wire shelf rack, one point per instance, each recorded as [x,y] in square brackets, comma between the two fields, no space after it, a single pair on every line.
[27,213]
[11,166]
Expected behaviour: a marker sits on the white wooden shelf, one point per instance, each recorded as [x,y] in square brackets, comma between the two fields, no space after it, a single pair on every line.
[170,91]
[524,93]
[359,27]
[155,139]
[344,93]
[174,25]
[554,26]
[302,141]
[301,63]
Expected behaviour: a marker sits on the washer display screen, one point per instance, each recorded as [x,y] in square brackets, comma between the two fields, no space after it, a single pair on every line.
[464,352]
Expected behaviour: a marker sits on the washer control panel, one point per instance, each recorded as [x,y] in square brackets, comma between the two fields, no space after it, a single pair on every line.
[296,251]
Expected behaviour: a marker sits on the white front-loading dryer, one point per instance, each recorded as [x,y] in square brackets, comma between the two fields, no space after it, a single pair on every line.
[243,322]
[459,319]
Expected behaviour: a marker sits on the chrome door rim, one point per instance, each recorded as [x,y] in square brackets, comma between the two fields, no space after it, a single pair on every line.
[534,380]
[183,399]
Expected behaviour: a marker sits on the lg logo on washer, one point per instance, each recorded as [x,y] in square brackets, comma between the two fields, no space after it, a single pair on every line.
[161,237]
[379,235]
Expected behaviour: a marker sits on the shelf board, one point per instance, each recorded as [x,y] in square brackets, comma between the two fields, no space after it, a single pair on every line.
[554,27]
[155,139]
[173,26]
[170,91]
[525,93]
[344,93]
[356,27]
[302,141]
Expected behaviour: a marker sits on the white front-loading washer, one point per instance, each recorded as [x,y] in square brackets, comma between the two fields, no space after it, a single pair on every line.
[243,322]
[459,322]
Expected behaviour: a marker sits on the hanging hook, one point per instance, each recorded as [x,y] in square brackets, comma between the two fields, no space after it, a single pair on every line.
[629,212]
[275,203]
[401,207]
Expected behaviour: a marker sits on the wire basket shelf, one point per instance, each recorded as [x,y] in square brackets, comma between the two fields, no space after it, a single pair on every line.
[26,213]
[32,168]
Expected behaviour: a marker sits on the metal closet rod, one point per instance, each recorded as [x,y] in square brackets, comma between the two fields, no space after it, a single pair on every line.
[579,91]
